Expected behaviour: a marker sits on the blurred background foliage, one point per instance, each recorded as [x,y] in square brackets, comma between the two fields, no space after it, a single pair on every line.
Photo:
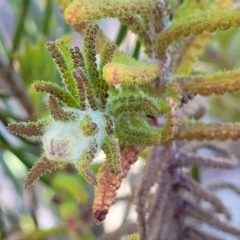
[223,53]
[58,206]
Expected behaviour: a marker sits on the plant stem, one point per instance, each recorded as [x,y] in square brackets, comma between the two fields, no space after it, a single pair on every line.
[47,17]
[19,28]
[122,32]
[136,50]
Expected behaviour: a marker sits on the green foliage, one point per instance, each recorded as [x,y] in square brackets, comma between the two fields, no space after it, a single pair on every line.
[104,100]
[68,183]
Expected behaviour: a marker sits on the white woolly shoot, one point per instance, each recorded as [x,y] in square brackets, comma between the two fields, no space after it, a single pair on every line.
[66,142]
